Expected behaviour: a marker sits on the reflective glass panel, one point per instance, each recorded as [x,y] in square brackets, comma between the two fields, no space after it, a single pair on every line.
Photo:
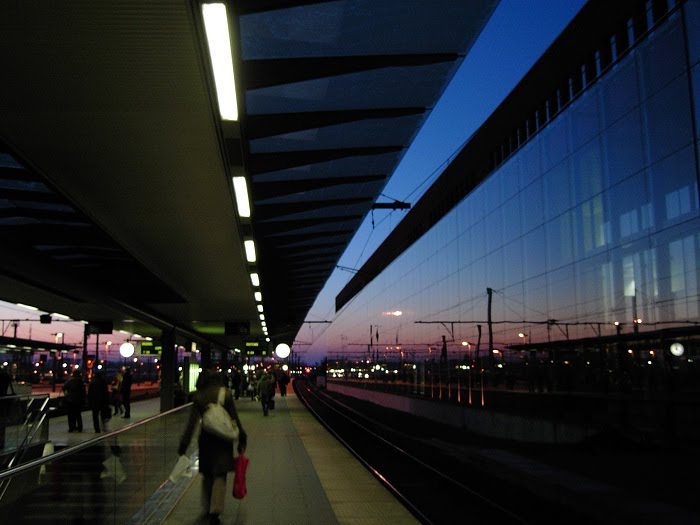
[668,120]
[662,57]
[623,148]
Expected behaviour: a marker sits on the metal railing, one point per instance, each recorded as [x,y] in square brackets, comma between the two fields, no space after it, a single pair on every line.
[22,425]
[108,479]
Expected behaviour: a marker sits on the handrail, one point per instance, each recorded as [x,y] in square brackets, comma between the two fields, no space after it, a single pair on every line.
[29,436]
[23,396]
[85,444]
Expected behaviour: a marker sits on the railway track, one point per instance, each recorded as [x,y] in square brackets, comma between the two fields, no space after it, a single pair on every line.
[407,454]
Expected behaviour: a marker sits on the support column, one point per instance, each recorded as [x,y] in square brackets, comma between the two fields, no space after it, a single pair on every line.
[206,357]
[167,370]
[85,352]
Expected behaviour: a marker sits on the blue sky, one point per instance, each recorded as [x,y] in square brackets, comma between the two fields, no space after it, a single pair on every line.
[514,38]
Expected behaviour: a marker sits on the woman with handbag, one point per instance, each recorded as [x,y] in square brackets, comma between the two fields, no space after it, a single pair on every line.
[215,453]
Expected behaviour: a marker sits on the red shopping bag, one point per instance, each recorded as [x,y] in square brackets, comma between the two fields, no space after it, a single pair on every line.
[240,464]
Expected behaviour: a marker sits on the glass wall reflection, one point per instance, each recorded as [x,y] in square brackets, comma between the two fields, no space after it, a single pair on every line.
[587,236]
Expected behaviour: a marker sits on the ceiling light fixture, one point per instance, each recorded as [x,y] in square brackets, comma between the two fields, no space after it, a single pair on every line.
[249,251]
[260,308]
[216,27]
[258,297]
[240,188]
[28,307]
[255,279]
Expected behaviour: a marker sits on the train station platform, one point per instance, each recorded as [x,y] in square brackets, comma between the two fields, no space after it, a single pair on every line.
[298,473]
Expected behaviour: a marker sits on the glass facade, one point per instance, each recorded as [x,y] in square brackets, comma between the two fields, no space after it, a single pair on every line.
[593,221]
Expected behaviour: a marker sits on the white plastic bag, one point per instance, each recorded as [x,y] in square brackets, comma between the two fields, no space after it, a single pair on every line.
[183,463]
[113,468]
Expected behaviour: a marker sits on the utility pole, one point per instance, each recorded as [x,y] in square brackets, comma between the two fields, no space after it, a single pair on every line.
[478,347]
[489,291]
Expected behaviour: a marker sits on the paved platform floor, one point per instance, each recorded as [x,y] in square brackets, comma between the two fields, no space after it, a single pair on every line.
[298,474]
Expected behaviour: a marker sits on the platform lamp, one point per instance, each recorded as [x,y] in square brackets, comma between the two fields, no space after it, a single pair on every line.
[282,350]
[127,349]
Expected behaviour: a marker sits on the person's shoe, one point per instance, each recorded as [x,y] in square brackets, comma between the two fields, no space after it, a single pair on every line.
[71,430]
[214,519]
[126,417]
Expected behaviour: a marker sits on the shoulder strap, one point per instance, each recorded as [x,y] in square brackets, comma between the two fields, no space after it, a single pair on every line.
[222,396]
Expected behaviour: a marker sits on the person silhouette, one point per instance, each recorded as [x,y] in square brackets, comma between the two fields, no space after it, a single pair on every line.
[74,399]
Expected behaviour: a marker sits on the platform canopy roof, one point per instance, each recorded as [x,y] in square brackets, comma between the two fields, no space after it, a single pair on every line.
[116,194]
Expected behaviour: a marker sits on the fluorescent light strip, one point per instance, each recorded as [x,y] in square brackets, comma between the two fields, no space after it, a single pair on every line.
[255,279]
[249,251]
[262,317]
[260,308]
[258,296]
[240,188]
[28,307]
[216,27]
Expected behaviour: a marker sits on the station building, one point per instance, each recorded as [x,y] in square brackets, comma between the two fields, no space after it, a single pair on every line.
[566,230]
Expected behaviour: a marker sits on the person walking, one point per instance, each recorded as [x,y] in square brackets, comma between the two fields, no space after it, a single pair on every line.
[252,385]
[236,383]
[283,381]
[215,454]
[98,400]
[266,389]
[74,398]
[117,393]
[127,381]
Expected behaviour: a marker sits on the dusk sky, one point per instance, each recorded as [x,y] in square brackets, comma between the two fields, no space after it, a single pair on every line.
[515,37]
[517,34]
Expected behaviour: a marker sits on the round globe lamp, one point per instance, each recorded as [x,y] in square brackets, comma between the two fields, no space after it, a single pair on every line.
[677,349]
[126,349]
[282,350]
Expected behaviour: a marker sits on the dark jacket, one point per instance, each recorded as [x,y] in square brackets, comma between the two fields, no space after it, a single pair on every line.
[98,395]
[127,381]
[215,454]
[266,386]
[74,391]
